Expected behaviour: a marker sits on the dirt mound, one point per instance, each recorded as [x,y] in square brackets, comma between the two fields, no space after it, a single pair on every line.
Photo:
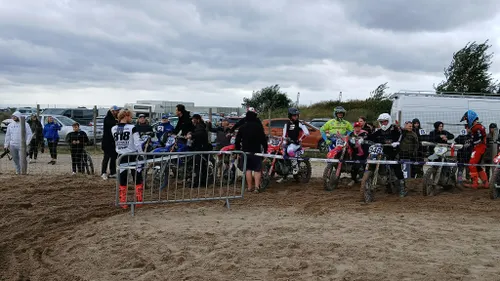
[67,228]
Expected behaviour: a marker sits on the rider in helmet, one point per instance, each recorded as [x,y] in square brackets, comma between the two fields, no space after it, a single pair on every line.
[336,126]
[294,131]
[390,134]
[478,133]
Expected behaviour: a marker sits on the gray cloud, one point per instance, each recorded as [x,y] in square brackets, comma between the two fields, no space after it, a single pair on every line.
[422,15]
[206,47]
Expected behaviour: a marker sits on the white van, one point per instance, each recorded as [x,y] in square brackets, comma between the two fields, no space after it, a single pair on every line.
[430,107]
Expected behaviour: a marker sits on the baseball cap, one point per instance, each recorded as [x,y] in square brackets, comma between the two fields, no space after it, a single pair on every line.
[141,115]
[164,117]
[357,124]
[251,109]
[115,108]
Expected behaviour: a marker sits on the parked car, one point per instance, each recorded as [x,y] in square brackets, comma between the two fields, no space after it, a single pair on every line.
[99,123]
[6,122]
[67,127]
[314,140]
[319,122]
[82,115]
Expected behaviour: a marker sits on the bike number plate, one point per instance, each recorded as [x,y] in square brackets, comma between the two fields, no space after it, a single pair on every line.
[233,140]
[375,149]
[339,142]
[170,141]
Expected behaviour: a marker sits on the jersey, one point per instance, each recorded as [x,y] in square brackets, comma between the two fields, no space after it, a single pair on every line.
[127,139]
[335,126]
[478,133]
[292,130]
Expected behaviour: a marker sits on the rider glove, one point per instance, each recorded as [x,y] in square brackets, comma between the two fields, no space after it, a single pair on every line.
[395,144]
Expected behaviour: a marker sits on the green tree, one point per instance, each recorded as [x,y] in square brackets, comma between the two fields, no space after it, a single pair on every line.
[379,93]
[268,98]
[469,71]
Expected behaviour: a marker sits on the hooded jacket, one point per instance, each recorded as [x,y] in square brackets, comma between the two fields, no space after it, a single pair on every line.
[184,125]
[108,142]
[13,134]
[36,129]
[435,136]
[51,131]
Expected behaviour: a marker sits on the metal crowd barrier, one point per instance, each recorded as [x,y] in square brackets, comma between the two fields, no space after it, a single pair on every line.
[182,177]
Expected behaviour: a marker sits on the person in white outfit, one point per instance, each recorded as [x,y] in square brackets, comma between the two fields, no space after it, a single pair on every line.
[13,139]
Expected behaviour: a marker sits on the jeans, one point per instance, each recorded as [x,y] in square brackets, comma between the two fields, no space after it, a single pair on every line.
[16,158]
[52,144]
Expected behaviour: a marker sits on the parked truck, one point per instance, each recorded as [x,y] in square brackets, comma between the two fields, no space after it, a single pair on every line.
[430,107]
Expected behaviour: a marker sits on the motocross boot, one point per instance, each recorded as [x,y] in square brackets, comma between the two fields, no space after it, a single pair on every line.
[475,181]
[139,189]
[123,196]
[402,188]
[484,178]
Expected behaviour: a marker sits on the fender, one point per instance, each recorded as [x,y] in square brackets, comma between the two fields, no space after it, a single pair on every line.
[333,153]
[230,147]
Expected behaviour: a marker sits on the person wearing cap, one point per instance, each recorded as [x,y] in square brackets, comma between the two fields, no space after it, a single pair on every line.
[13,139]
[163,127]
[37,139]
[360,150]
[77,141]
[51,133]
[143,127]
[108,144]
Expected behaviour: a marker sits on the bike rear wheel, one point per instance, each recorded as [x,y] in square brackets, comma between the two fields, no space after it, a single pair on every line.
[367,190]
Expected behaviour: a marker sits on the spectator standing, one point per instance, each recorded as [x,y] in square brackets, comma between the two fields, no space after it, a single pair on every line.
[199,137]
[51,133]
[364,125]
[13,140]
[143,127]
[251,114]
[223,137]
[440,135]
[185,124]
[77,141]
[491,141]
[409,146]
[463,154]
[108,144]
[251,138]
[37,139]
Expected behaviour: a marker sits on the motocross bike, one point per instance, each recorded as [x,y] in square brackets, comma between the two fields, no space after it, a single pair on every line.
[374,172]
[227,168]
[443,177]
[283,166]
[495,179]
[341,150]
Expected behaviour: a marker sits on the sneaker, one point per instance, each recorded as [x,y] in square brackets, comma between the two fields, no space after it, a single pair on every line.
[113,176]
[280,180]
[104,176]
[351,183]
[73,173]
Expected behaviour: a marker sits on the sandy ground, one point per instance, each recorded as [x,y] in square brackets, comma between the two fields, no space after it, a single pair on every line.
[67,228]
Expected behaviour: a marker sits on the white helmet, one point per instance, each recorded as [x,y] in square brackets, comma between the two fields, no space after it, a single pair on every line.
[385,117]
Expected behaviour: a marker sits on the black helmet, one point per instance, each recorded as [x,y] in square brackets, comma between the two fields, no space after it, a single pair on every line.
[293,111]
[493,126]
[339,109]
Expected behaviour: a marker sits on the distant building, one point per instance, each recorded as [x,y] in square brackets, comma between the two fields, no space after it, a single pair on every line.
[158,107]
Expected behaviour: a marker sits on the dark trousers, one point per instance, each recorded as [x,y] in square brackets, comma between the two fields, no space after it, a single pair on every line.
[200,169]
[77,160]
[52,144]
[111,159]
[33,150]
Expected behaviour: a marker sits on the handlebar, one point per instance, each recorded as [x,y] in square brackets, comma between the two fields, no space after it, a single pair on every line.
[374,143]
[456,145]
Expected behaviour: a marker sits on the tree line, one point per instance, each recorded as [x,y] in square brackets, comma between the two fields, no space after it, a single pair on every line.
[468,72]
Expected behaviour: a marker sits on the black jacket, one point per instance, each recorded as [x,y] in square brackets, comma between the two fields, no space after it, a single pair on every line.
[251,137]
[393,134]
[37,129]
[79,136]
[435,136]
[184,124]
[242,121]
[200,138]
[144,129]
[108,142]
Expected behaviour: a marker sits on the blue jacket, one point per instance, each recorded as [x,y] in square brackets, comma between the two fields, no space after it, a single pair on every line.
[50,131]
[161,128]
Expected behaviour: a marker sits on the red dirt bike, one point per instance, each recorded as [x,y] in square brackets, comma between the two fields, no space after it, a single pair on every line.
[283,167]
[228,168]
[341,150]
[495,179]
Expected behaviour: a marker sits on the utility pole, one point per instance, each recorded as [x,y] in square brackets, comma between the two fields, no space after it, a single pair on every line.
[340,96]
[298,97]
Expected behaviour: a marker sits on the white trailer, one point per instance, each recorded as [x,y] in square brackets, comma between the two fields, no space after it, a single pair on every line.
[430,107]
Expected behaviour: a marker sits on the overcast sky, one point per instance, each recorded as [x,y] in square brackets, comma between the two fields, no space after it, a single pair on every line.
[216,52]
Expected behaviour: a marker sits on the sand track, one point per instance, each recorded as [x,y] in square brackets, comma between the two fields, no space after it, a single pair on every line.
[65,228]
